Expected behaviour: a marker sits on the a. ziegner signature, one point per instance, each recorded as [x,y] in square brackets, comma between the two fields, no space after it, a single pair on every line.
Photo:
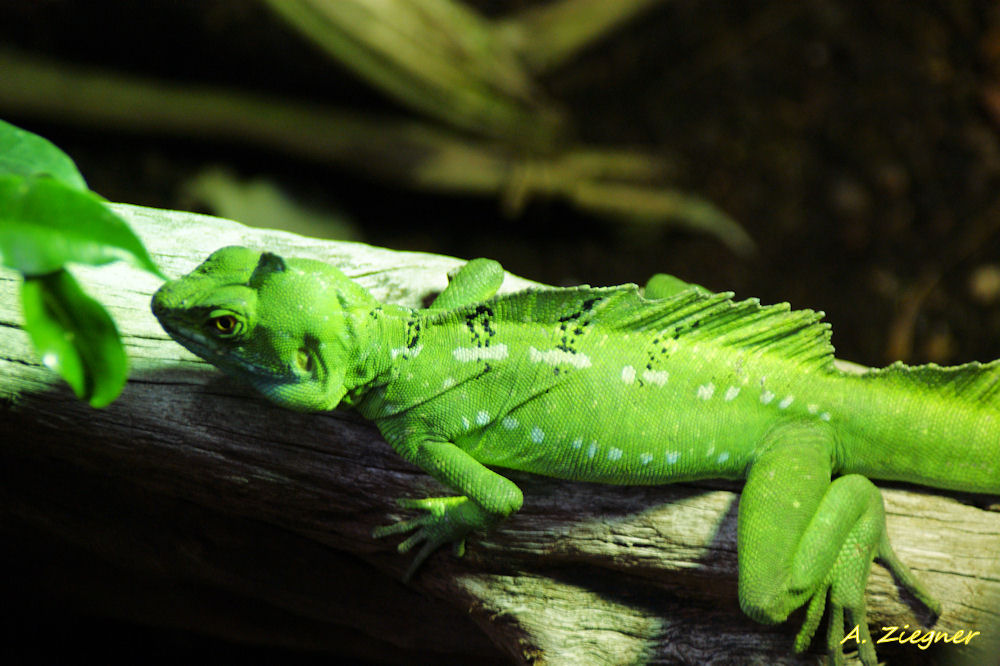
[922,638]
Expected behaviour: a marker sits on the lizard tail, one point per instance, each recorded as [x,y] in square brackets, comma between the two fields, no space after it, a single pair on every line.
[932,425]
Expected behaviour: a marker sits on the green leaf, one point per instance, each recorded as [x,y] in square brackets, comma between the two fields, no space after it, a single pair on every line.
[27,154]
[44,224]
[75,336]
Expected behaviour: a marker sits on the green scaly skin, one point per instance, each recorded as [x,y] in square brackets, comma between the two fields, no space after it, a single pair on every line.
[606,385]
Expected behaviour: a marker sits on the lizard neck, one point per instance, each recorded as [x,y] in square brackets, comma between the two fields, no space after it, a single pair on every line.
[388,329]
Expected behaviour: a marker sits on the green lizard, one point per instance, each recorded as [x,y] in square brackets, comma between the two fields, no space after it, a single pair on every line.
[609,386]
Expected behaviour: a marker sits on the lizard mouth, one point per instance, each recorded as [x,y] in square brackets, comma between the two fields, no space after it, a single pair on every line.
[195,343]
[201,346]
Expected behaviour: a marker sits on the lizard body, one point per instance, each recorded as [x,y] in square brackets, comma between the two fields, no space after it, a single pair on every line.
[606,385]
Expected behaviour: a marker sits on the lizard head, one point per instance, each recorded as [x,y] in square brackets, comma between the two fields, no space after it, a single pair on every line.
[291,328]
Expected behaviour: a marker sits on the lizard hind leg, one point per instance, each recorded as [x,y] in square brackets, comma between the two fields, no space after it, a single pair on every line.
[474,281]
[803,538]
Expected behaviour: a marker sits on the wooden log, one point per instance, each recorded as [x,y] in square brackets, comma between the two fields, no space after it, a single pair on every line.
[192,503]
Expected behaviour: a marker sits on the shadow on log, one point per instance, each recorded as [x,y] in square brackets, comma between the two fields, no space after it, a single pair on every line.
[191,503]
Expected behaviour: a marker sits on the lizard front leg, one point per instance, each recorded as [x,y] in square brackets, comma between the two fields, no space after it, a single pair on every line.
[487,498]
[803,539]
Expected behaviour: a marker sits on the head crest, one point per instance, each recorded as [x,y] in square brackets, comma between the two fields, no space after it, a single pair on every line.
[269,263]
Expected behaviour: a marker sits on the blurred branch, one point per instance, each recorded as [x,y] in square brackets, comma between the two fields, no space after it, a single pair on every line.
[600,181]
[437,56]
[547,35]
[445,60]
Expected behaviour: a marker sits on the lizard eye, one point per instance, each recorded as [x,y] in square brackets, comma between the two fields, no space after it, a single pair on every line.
[225,324]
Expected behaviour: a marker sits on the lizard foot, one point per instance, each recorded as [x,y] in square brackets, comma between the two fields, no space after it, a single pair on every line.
[845,590]
[860,635]
[448,519]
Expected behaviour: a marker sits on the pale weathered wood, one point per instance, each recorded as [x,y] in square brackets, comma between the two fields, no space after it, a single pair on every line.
[191,502]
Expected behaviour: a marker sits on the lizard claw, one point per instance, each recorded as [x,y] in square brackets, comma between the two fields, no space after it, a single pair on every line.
[448,519]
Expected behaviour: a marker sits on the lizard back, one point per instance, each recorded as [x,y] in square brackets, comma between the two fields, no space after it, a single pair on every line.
[604,385]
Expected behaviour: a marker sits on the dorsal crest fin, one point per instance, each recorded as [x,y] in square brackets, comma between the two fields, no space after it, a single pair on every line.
[691,315]
[971,382]
[701,317]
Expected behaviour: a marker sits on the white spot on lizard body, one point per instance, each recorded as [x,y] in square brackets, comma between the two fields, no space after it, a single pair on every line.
[448,382]
[723,457]
[658,377]
[614,454]
[628,374]
[731,393]
[537,435]
[645,458]
[672,457]
[766,397]
[467,354]
[706,391]
[406,352]
[482,417]
[786,402]
[557,356]
[509,422]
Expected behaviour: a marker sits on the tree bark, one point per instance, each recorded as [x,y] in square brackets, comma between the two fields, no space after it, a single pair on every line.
[190,502]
